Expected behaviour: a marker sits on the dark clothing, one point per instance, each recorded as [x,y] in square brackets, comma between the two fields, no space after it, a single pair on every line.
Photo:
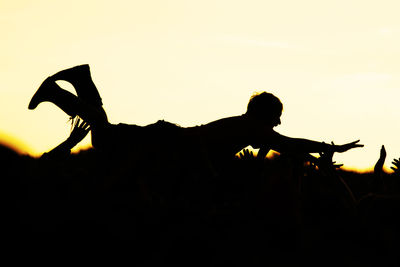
[226,137]
[213,143]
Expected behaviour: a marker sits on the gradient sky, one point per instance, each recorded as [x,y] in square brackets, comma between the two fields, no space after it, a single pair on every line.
[335,65]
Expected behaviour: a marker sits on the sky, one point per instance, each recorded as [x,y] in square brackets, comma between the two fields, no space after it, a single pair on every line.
[335,65]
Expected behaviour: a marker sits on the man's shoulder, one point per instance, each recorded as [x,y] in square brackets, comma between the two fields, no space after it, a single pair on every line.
[227,121]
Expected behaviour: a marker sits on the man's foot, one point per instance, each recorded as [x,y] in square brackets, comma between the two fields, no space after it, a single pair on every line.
[72,73]
[43,93]
[49,91]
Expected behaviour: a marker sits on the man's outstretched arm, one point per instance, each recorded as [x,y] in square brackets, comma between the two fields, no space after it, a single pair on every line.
[283,143]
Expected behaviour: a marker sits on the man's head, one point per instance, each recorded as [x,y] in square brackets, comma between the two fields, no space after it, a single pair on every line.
[266,108]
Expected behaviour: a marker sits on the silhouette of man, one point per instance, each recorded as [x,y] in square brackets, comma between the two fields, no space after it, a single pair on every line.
[220,139]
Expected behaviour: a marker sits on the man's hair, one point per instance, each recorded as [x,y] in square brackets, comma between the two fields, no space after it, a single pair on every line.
[263,104]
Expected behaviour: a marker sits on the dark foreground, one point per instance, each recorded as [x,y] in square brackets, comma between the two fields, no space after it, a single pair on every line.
[88,209]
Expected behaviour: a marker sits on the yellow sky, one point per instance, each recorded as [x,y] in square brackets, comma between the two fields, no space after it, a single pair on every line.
[334,65]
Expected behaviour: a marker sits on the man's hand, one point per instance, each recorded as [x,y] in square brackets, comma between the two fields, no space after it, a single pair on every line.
[396,167]
[246,155]
[348,146]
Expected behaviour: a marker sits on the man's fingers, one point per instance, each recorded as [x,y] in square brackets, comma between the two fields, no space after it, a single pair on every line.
[355,144]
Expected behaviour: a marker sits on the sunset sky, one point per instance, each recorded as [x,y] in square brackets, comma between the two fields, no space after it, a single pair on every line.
[335,65]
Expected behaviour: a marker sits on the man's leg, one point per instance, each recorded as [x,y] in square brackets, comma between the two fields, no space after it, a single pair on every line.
[49,91]
[80,78]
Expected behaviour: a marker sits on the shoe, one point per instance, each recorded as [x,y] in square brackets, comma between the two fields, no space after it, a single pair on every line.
[49,91]
[80,78]
[71,73]
[42,93]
